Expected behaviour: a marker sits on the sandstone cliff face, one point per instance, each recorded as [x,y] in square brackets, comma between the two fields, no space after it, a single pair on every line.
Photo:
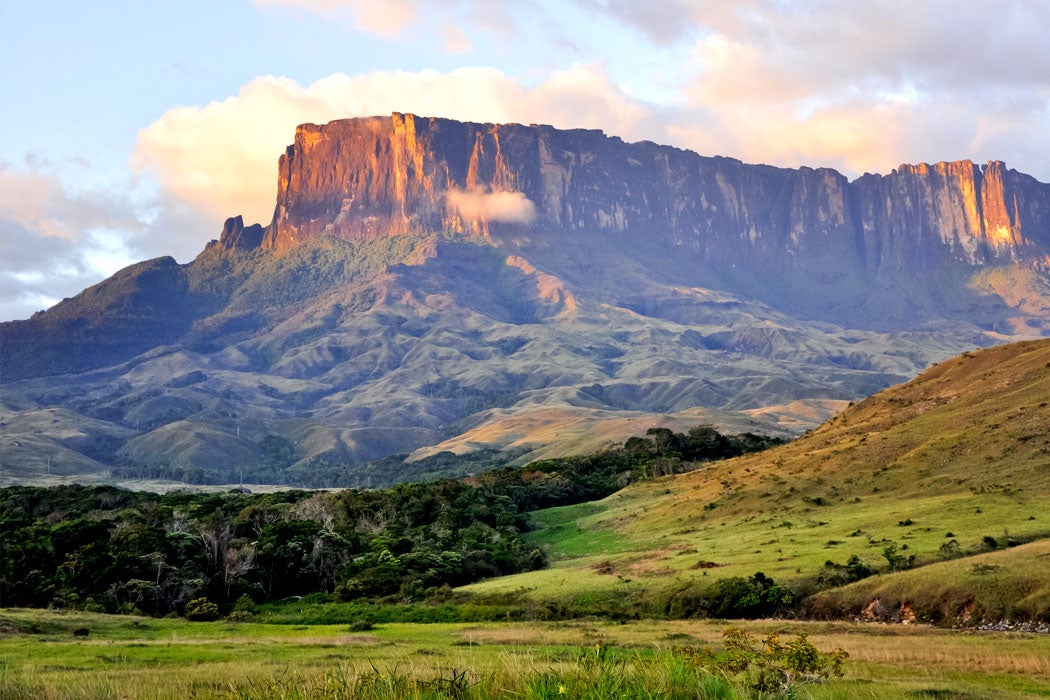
[426,282]
[920,215]
[360,179]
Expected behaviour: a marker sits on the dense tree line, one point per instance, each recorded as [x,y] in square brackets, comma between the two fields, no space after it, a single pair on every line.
[117,550]
[110,549]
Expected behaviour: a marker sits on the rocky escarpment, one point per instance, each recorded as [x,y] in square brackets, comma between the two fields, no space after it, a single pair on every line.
[427,284]
[364,178]
[880,251]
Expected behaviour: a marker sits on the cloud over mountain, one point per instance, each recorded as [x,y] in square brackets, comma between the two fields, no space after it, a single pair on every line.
[860,87]
[501,207]
[220,157]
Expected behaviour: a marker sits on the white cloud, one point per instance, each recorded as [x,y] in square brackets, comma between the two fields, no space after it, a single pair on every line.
[493,207]
[384,17]
[222,158]
[35,199]
[392,18]
[660,21]
[859,86]
[55,242]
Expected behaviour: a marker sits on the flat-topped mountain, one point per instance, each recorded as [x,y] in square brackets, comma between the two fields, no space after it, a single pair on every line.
[427,284]
[367,178]
[840,247]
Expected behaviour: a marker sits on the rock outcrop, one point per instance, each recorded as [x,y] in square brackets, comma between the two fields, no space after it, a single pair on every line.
[427,284]
[366,178]
[235,236]
[881,251]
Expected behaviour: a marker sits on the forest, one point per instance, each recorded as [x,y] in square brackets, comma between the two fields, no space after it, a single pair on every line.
[107,549]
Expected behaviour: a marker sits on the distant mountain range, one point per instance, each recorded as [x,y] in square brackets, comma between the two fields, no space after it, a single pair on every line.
[430,285]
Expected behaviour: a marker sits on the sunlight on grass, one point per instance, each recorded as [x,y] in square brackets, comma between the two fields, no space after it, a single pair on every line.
[178,659]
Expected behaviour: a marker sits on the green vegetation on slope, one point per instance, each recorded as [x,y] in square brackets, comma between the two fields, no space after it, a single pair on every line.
[105,548]
[914,483]
[953,464]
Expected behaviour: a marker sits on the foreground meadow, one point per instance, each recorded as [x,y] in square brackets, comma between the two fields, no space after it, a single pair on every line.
[135,657]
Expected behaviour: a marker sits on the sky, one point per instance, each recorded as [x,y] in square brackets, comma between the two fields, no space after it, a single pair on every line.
[132,130]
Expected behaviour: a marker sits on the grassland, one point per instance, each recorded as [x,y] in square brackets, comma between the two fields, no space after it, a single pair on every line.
[949,473]
[939,484]
[145,658]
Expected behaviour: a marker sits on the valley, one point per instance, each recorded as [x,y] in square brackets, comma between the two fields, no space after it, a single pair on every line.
[571,401]
[427,285]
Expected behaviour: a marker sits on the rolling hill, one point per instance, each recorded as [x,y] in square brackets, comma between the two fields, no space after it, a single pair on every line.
[427,285]
[947,475]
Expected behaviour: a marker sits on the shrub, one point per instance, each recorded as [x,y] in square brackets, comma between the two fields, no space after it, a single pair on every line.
[757,596]
[244,604]
[835,574]
[775,666]
[202,610]
[895,560]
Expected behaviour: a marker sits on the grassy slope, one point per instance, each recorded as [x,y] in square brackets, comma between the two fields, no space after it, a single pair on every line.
[962,449]
[352,355]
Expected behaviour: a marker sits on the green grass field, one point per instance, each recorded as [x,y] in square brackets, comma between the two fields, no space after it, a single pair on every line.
[130,657]
[939,485]
[950,473]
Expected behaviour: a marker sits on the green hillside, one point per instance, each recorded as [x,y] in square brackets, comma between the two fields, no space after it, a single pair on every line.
[927,478]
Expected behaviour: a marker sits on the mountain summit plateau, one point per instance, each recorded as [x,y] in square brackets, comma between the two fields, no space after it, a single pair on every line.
[428,285]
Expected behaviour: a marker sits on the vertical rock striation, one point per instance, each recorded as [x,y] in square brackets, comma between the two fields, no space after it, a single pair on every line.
[374,177]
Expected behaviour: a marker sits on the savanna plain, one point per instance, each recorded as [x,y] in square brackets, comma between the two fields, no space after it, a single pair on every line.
[907,539]
[132,657]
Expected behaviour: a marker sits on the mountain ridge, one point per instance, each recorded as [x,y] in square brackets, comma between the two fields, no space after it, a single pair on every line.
[427,283]
[334,168]
[839,248]
[950,465]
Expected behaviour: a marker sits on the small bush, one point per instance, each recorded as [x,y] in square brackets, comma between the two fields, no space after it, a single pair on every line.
[775,666]
[897,561]
[835,574]
[244,604]
[202,610]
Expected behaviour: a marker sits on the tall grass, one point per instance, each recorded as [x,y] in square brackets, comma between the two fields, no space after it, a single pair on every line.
[594,677]
[151,659]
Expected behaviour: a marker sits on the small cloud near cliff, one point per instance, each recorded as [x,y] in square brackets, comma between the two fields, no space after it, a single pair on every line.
[56,240]
[493,207]
[221,158]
